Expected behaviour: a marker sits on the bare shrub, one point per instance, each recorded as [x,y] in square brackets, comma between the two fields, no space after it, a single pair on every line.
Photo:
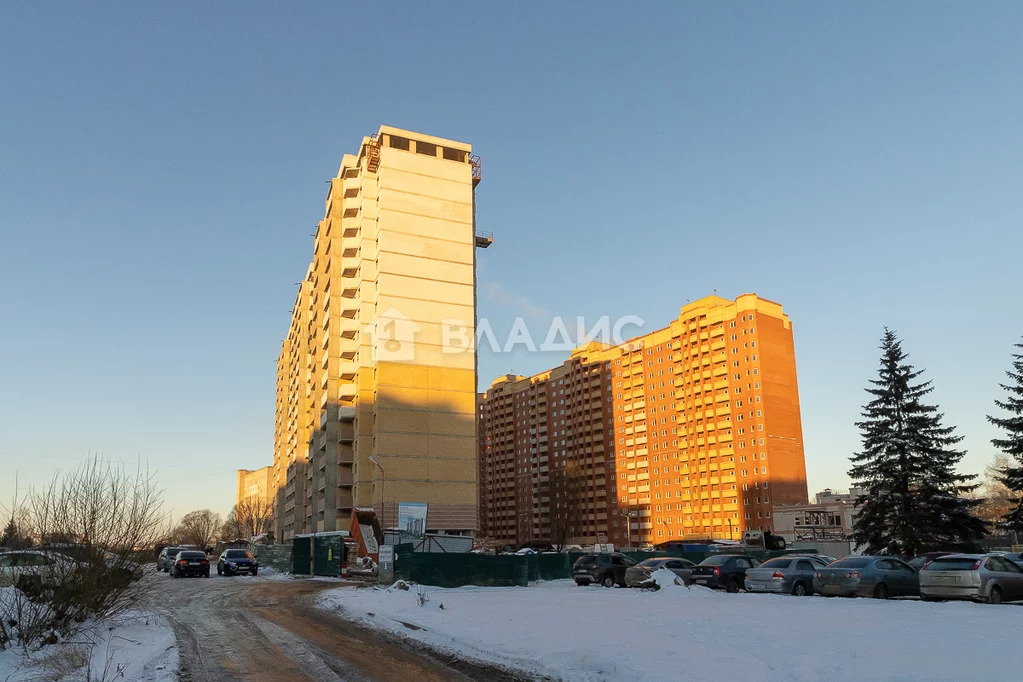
[94,524]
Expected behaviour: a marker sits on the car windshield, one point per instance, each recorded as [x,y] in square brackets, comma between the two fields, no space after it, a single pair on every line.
[851,562]
[238,554]
[586,561]
[952,564]
[715,561]
[776,563]
[191,555]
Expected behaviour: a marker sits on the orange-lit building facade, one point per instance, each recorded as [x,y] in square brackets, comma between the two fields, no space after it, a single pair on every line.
[689,432]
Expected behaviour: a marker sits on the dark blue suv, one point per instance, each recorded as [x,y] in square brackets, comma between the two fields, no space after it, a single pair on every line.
[234,561]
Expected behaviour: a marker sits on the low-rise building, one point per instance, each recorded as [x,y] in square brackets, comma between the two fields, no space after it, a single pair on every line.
[829,520]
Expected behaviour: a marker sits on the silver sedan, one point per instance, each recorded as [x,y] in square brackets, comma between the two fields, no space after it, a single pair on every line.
[786,575]
[993,579]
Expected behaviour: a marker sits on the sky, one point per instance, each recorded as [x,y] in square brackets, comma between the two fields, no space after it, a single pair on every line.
[162,168]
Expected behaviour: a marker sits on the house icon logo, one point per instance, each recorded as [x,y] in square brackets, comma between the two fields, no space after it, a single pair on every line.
[394,337]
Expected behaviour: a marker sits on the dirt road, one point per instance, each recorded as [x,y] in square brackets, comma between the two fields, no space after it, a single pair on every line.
[246,628]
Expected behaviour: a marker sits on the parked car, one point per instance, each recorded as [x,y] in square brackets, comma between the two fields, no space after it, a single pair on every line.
[605,569]
[234,561]
[993,579]
[33,571]
[867,576]
[787,575]
[166,558]
[922,560]
[116,568]
[723,571]
[638,575]
[190,562]
[1014,557]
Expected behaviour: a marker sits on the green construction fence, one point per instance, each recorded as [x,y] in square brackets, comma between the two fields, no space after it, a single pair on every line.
[457,570]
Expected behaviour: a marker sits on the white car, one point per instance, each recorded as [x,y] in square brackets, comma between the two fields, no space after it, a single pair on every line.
[32,570]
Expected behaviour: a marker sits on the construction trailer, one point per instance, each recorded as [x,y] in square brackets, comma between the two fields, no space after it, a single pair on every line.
[323,554]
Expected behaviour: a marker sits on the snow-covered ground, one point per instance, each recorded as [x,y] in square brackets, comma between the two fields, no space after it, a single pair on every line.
[131,647]
[564,631]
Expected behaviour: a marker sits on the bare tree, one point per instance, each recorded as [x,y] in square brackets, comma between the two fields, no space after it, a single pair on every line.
[564,490]
[198,528]
[253,516]
[997,498]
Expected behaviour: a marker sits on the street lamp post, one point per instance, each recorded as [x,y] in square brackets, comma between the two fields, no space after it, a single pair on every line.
[373,459]
[629,514]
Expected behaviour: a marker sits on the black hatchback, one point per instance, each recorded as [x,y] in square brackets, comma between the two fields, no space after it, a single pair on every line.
[234,561]
[723,571]
[605,569]
[190,562]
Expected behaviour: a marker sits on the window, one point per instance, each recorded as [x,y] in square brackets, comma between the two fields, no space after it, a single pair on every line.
[426,148]
[454,154]
[399,142]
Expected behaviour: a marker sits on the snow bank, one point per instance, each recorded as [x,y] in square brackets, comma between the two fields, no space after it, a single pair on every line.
[670,586]
[132,647]
[563,631]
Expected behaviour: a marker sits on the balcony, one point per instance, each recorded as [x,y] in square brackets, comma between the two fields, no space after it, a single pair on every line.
[346,412]
[345,477]
[346,432]
[349,327]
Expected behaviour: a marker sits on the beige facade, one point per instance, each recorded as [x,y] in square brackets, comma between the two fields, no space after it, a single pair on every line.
[371,409]
[255,483]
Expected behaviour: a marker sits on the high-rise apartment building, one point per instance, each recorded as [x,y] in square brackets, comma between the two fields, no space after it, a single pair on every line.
[370,410]
[689,432]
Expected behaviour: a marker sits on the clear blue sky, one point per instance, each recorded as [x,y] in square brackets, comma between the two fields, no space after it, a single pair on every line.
[161,171]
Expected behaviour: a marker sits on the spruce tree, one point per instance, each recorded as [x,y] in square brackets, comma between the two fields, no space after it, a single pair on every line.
[913,500]
[9,535]
[1012,443]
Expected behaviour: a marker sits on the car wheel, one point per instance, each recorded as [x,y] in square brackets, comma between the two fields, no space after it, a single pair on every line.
[732,586]
[581,583]
[220,571]
[799,590]
[206,574]
[881,591]
[926,597]
[255,571]
[995,596]
[608,581]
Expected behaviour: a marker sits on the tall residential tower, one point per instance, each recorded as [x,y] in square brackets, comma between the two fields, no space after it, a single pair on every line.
[691,431]
[371,411]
